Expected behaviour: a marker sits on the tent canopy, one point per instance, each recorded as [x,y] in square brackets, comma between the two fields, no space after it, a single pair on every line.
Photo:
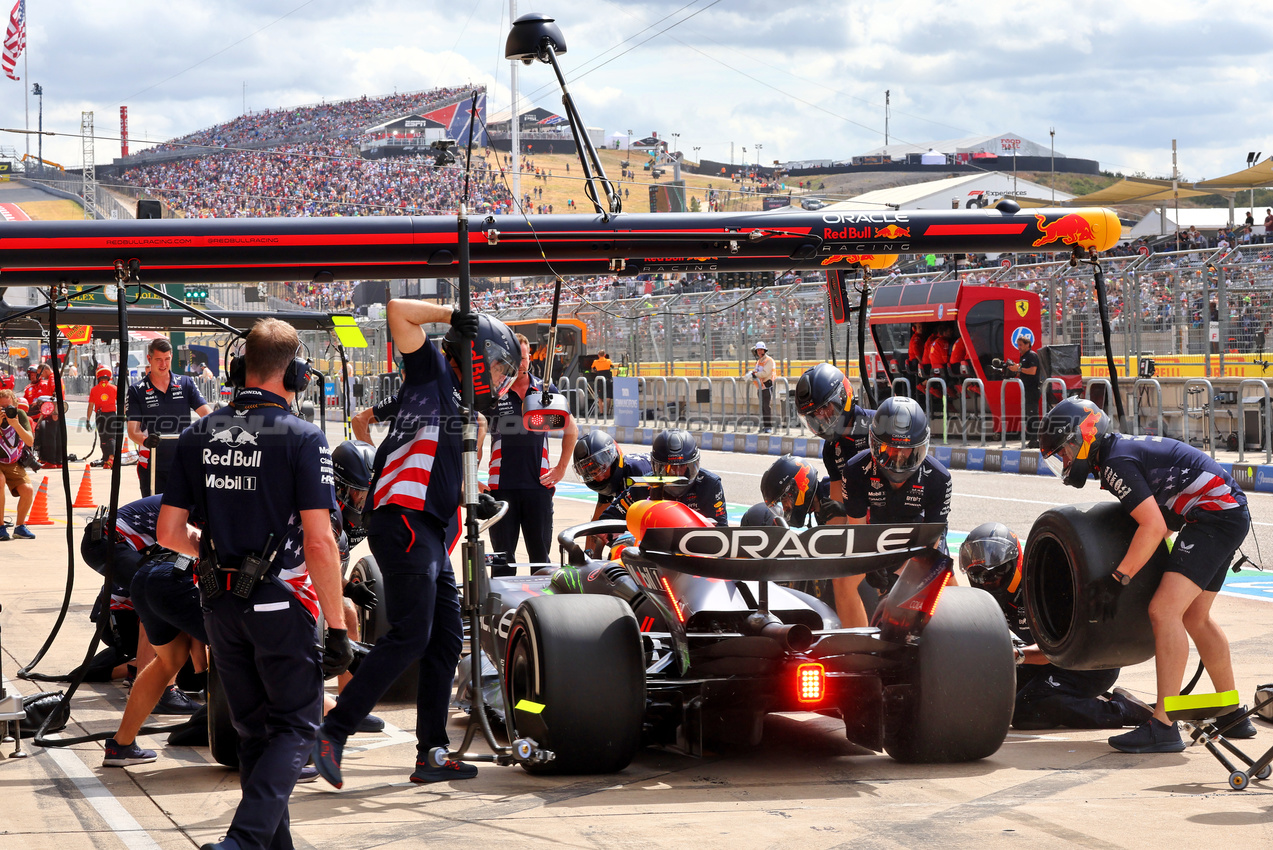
[1135,190]
[1258,175]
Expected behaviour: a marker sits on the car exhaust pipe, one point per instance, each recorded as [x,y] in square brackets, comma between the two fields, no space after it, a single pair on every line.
[796,637]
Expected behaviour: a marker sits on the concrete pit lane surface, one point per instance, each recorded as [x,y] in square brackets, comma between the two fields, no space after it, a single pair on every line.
[805,786]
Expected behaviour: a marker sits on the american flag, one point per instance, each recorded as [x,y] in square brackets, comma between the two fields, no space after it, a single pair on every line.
[15,38]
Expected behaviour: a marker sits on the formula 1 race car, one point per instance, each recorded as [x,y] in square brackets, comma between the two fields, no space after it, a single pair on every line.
[687,641]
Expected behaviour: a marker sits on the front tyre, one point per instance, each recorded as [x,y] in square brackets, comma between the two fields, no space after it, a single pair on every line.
[574,681]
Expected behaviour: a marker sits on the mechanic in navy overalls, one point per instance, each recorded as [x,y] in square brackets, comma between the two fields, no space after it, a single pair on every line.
[1165,485]
[260,481]
[675,452]
[896,480]
[520,472]
[415,491]
[158,404]
[1047,696]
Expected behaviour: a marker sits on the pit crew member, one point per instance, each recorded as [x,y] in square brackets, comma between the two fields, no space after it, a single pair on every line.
[1047,696]
[160,403]
[260,480]
[896,480]
[101,412]
[415,492]
[606,471]
[1165,485]
[675,452]
[519,472]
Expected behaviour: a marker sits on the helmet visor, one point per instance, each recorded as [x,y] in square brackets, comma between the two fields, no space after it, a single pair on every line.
[1060,459]
[678,470]
[978,556]
[898,462]
[503,369]
[822,420]
[596,466]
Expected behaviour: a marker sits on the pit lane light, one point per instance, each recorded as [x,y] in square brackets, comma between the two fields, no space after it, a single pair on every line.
[811,681]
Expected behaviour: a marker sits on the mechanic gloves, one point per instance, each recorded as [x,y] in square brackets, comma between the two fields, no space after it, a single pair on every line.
[337,652]
[362,594]
[151,441]
[465,323]
[1102,599]
[487,506]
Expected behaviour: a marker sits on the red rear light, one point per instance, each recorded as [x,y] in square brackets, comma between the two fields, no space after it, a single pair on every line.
[676,605]
[926,601]
[811,682]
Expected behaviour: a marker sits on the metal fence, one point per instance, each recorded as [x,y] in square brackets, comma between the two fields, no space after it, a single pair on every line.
[108,206]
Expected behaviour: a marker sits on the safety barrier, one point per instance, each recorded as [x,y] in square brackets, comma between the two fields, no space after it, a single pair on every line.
[1003,411]
[1146,382]
[783,411]
[1047,383]
[1088,383]
[928,405]
[1208,407]
[981,404]
[1263,414]
[906,382]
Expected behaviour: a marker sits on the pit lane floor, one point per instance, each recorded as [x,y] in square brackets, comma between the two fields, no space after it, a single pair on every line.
[805,786]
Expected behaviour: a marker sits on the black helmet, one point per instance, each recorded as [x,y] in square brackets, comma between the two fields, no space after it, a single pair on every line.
[1071,438]
[991,558]
[761,515]
[497,355]
[824,398]
[352,462]
[899,438]
[675,452]
[790,485]
[598,459]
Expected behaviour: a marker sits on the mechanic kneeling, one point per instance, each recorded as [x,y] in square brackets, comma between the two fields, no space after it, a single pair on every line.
[260,480]
[1047,696]
[675,453]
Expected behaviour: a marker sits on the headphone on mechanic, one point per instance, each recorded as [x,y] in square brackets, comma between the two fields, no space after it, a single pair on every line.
[295,377]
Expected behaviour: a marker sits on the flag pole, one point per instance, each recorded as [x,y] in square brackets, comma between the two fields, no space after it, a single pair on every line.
[26,78]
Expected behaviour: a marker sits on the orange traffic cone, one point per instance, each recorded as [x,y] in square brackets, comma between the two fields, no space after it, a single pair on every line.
[40,508]
[84,498]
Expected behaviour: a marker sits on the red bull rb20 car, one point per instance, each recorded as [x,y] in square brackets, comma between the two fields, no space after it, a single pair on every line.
[687,641]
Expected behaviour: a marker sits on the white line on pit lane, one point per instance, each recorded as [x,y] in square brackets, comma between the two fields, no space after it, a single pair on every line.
[121,823]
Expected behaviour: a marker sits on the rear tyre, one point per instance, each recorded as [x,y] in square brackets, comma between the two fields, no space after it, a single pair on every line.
[964,684]
[373,625]
[575,682]
[223,740]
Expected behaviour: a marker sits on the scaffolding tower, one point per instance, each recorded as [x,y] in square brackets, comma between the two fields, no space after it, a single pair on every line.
[89,171]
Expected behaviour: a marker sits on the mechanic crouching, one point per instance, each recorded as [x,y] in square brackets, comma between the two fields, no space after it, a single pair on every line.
[675,453]
[260,480]
[1047,696]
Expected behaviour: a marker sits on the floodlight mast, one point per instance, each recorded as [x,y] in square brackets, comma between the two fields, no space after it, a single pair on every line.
[535,36]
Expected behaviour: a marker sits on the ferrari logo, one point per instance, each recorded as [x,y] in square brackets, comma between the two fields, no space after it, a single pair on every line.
[1023,307]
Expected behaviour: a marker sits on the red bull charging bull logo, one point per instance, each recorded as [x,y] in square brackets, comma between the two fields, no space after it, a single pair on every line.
[1071,229]
[892,232]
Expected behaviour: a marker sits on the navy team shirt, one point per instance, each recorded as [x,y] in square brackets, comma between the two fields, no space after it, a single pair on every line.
[163,413]
[418,462]
[837,453]
[925,497]
[1184,481]
[706,494]
[518,456]
[247,471]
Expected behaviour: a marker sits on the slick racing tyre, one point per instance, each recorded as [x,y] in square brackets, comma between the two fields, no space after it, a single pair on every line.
[373,625]
[960,702]
[223,740]
[1071,551]
[575,682]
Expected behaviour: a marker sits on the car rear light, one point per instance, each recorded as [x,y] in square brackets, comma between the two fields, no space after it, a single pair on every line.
[925,602]
[811,682]
[676,605]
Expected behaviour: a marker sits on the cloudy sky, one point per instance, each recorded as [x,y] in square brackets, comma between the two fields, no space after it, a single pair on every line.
[1118,81]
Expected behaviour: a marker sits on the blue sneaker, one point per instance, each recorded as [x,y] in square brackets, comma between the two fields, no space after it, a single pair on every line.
[1151,737]
[1242,729]
[4,533]
[23,533]
[118,755]
[327,753]
[309,773]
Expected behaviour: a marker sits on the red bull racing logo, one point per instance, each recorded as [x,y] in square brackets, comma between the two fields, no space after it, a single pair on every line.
[892,232]
[1087,430]
[1071,229]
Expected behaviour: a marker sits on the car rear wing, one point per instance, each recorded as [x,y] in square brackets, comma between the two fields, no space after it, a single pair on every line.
[785,554]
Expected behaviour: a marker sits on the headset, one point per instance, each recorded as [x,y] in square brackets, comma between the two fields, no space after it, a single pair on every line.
[295,378]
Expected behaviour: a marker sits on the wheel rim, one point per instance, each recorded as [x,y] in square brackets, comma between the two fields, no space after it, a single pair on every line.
[520,674]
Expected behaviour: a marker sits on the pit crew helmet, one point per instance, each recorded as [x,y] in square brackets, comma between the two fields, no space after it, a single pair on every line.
[824,398]
[1071,438]
[497,356]
[899,438]
[991,558]
[352,463]
[675,452]
[789,485]
[598,459]
[761,515]
[102,371]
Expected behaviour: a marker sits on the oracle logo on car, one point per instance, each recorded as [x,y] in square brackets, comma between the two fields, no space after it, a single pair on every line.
[771,543]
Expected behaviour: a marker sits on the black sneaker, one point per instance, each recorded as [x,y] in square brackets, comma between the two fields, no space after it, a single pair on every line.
[118,755]
[1135,710]
[327,753]
[425,772]
[370,723]
[1243,729]
[174,701]
[1151,737]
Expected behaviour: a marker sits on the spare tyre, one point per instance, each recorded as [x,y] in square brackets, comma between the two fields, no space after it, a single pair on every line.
[1069,550]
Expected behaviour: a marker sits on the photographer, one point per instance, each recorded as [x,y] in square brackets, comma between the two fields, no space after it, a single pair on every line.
[15,438]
